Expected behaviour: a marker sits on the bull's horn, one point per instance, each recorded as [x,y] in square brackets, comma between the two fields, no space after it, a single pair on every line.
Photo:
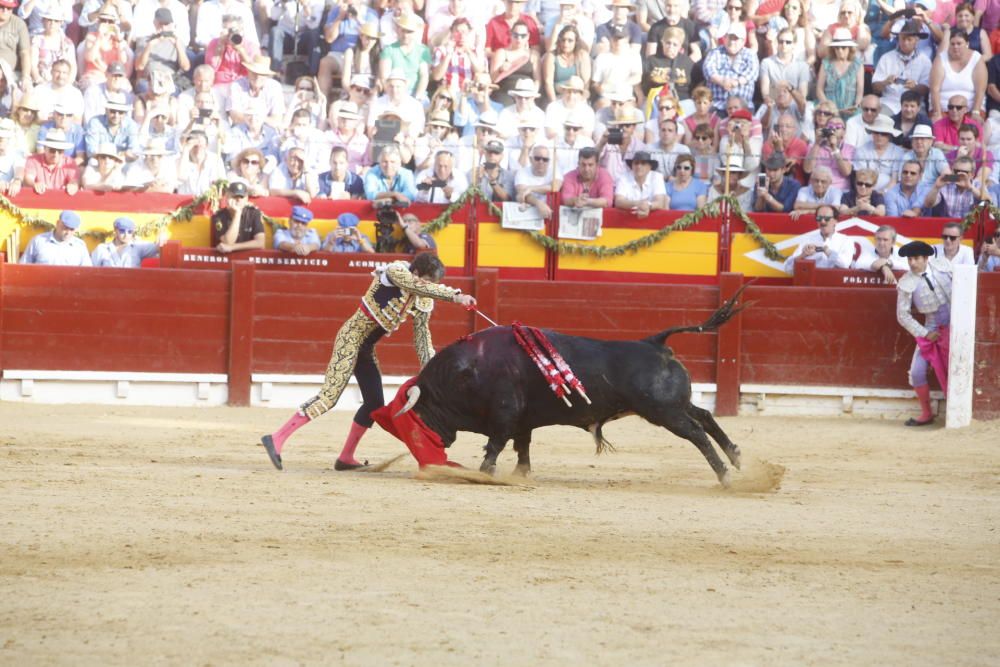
[412,396]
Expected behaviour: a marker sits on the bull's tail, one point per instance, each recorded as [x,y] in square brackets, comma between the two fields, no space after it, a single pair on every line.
[599,440]
[717,319]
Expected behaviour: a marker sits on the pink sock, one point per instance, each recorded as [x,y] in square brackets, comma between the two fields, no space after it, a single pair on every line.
[351,444]
[924,395]
[297,421]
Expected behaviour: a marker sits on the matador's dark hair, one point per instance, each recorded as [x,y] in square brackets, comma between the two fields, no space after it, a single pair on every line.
[427,265]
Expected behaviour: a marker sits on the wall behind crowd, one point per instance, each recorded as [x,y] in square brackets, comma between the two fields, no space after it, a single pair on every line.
[877,109]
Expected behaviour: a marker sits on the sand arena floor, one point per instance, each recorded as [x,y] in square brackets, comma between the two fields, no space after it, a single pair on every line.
[163,536]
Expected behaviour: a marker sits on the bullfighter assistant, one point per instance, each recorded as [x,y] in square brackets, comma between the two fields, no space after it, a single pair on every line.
[396,291]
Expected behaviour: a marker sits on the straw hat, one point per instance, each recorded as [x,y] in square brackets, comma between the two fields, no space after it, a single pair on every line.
[156,146]
[573,83]
[349,110]
[370,29]
[440,118]
[261,65]
[732,164]
[525,88]
[883,125]
[408,22]
[922,132]
[56,139]
[842,37]
[109,150]
[29,101]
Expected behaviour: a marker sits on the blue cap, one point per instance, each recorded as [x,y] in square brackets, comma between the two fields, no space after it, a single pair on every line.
[302,214]
[125,225]
[69,219]
[347,220]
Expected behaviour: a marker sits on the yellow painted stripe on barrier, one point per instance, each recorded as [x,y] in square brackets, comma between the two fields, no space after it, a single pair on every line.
[508,247]
[683,253]
[743,244]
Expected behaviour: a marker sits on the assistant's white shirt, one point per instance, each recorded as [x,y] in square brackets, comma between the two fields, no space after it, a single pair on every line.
[840,257]
[627,187]
[964,255]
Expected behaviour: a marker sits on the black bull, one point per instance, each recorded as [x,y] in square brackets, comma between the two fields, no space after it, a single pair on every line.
[486,383]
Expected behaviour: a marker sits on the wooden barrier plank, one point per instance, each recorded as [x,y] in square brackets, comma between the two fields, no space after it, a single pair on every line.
[241,333]
[729,353]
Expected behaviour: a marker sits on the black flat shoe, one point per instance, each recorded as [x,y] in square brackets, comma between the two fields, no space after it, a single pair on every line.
[340,465]
[268,443]
[916,422]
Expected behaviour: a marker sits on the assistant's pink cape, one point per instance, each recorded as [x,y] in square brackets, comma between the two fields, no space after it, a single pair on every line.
[936,354]
[425,445]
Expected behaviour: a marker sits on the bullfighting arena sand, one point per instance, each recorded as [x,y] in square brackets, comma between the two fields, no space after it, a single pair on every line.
[135,536]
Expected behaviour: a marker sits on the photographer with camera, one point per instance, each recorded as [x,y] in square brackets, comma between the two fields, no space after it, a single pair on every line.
[989,259]
[347,237]
[904,68]
[494,179]
[103,47]
[826,246]
[388,183]
[831,152]
[228,54]
[776,192]
[210,17]
[390,222]
[953,195]
[620,142]
[163,50]
[238,224]
[441,184]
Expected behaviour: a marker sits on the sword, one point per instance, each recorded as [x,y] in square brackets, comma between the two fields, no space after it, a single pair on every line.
[482,314]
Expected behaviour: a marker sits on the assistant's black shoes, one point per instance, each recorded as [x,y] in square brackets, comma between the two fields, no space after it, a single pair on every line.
[275,457]
[340,465]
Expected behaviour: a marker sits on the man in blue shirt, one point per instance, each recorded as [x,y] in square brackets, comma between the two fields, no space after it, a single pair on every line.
[59,247]
[124,251]
[340,182]
[62,119]
[299,239]
[114,126]
[778,193]
[347,237]
[906,198]
[388,183]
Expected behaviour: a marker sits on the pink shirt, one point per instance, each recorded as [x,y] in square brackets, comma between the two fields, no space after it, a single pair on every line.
[601,188]
[57,177]
[230,66]
[991,13]
[947,133]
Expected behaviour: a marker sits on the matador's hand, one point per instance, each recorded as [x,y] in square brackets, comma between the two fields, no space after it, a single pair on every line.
[466,300]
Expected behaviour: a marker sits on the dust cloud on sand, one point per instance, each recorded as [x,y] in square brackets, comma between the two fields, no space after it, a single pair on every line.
[164,536]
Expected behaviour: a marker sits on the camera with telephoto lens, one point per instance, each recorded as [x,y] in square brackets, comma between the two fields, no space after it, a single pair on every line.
[235,37]
[616,136]
[825,132]
[435,183]
[386,219]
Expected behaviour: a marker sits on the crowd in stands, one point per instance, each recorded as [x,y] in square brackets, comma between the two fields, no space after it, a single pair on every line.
[881,108]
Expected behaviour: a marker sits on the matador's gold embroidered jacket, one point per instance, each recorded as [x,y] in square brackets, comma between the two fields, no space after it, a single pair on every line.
[396,293]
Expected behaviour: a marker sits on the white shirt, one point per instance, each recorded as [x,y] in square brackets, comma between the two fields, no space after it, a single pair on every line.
[627,187]
[271,96]
[855,131]
[509,118]
[128,257]
[556,112]
[289,16]
[138,175]
[210,21]
[44,249]
[525,177]
[840,256]
[69,95]
[963,256]
[197,182]
[142,19]
[458,182]
[866,259]
[411,112]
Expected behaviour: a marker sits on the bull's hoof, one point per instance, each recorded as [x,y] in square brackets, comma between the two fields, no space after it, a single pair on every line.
[736,458]
[489,469]
[521,470]
[725,480]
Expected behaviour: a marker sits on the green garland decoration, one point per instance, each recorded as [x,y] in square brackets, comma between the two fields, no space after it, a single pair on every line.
[444,218]
[689,219]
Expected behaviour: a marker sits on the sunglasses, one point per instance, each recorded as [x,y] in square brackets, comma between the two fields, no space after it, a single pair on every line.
[870,109]
[540,159]
[821,112]
[949,237]
[824,218]
[702,137]
[863,184]
[253,162]
[956,107]
[519,35]
[305,90]
[835,127]
[683,167]
[52,150]
[359,89]
[115,111]
[911,173]
[786,41]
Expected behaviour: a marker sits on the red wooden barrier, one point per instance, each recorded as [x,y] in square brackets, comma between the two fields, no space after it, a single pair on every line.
[727,397]
[175,256]
[806,274]
[986,377]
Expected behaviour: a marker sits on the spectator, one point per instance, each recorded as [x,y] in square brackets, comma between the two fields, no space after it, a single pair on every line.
[456,60]
[703,115]
[535,181]
[15,42]
[155,172]
[571,100]
[259,87]
[252,132]
[59,247]
[519,147]
[741,142]
[388,183]
[880,153]
[438,134]
[667,108]
[906,198]
[238,224]
[641,190]
[731,69]
[52,170]
[818,193]
[787,140]
[340,182]
[123,251]
[441,22]
[989,258]
[826,246]
[495,180]
[441,184]
[471,147]
[50,46]
[524,107]
[961,72]
[734,13]
[399,101]
[298,21]
[674,17]
[106,175]
[500,27]
[849,24]
[589,185]
[857,126]
[669,71]
[114,126]
[11,162]
[930,158]
[666,151]
[302,132]
[684,191]
[569,146]
[568,58]
[248,167]
[359,94]
[144,19]
[841,77]
[203,78]
[347,237]
[622,102]
[59,89]
[408,56]
[966,21]
[26,123]
[783,66]
[908,118]
[777,193]
[831,152]
[512,63]
[571,14]
[103,47]
[946,127]
[291,179]
[706,158]
[157,125]
[62,119]
[159,92]
[475,103]
[863,199]
[10,92]
[198,167]
[955,199]
[794,17]
[620,12]
[620,142]
[732,173]
[298,239]
[163,50]
[212,16]
[969,146]
[617,67]
[91,11]
[351,30]
[951,247]
[883,258]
